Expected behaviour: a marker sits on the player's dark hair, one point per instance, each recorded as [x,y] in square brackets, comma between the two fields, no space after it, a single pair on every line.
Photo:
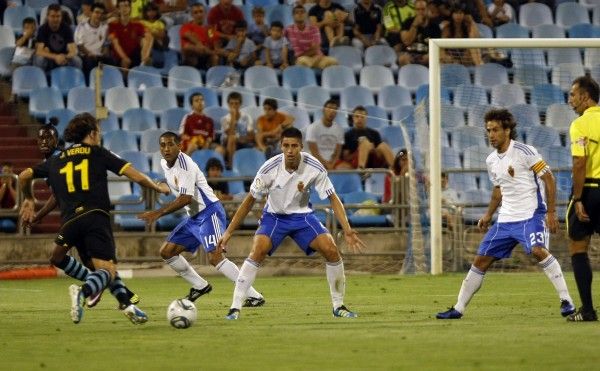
[28,20]
[51,126]
[506,119]
[98,6]
[80,127]
[234,95]
[170,134]
[298,6]
[292,132]
[277,24]
[195,95]
[271,103]
[258,10]
[54,8]
[331,101]
[212,163]
[588,85]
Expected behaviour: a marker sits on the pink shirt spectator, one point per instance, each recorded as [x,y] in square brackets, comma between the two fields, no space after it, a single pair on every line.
[302,40]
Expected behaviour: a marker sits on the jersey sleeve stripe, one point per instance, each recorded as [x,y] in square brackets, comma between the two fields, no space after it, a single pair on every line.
[270,166]
[124,167]
[182,162]
[330,191]
[524,148]
[314,164]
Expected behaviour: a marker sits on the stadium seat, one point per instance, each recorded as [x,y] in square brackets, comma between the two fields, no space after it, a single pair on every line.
[353,96]
[42,100]
[534,14]
[377,117]
[28,78]
[174,38]
[6,57]
[560,116]
[14,16]
[182,78]
[111,78]
[141,78]
[202,156]
[282,95]
[376,77]
[311,98]
[423,93]
[476,113]
[210,97]
[258,77]
[548,31]
[120,140]
[81,99]
[236,187]
[569,14]
[584,30]
[354,217]
[170,221]
[529,75]
[564,74]
[253,111]
[591,57]
[37,5]
[296,77]
[466,136]
[526,115]
[155,163]
[392,96]
[137,159]
[111,122]
[393,136]
[469,95]
[471,198]
[64,115]
[511,31]
[215,76]
[404,114]
[564,55]
[544,95]
[138,120]
[318,206]
[248,97]
[454,75]
[490,74]
[216,113]
[452,117]
[279,12]
[521,57]
[348,56]
[132,204]
[411,76]
[149,141]
[450,158]
[507,94]
[463,181]
[65,78]
[375,184]
[558,157]
[542,136]
[7,37]
[474,157]
[335,78]
[247,161]
[346,182]
[382,55]
[158,99]
[170,119]
[484,31]
[120,99]
[301,117]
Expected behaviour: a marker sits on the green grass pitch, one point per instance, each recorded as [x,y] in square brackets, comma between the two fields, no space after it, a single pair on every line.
[512,323]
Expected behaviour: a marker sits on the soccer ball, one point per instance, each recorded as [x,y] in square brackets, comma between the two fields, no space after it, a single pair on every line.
[181,313]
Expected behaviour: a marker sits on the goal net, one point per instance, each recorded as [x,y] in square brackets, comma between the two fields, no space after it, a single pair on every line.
[468,77]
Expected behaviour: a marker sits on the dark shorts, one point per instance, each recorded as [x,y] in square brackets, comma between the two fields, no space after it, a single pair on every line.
[591,202]
[91,233]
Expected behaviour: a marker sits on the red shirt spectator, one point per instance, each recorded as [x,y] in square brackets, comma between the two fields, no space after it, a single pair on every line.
[199,128]
[224,16]
[206,35]
[130,36]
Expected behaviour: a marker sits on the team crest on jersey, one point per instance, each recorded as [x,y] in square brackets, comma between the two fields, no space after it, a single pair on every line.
[300,186]
[511,171]
[176,182]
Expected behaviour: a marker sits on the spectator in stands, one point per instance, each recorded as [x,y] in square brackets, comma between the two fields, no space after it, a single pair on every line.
[363,147]
[275,48]
[269,127]
[85,12]
[25,44]
[137,8]
[461,26]
[55,45]
[258,31]
[214,169]
[238,127]
[367,29]
[131,42]
[8,196]
[200,45]
[325,137]
[197,130]
[399,168]
[477,10]
[173,11]
[416,32]
[224,16]
[449,201]
[395,13]
[329,17]
[500,12]
[305,40]
[90,38]
[241,50]
[152,20]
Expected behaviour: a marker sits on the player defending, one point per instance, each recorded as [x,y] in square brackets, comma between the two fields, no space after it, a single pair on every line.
[203,227]
[77,177]
[526,212]
[287,180]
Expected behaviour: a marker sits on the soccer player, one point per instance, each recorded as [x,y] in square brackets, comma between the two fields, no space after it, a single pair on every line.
[583,213]
[203,227]
[287,180]
[525,191]
[78,178]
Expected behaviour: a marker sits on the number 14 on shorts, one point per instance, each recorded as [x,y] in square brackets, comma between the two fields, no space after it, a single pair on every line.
[210,240]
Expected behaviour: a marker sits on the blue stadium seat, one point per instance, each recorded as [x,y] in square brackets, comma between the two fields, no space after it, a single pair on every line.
[563,74]
[423,93]
[81,99]
[534,14]
[137,159]
[376,77]
[37,5]
[248,97]
[507,94]
[454,75]
[133,204]
[529,75]
[282,95]
[215,76]
[392,135]
[65,78]
[64,115]
[382,55]
[316,204]
[377,117]
[28,78]
[490,74]
[355,219]
[254,111]
[42,100]
[279,12]
[357,95]
[262,3]
[14,16]
[375,184]
[311,98]
[120,99]
[564,55]
[484,31]
[247,161]
[141,78]
[169,221]
[138,120]
[7,37]
[346,182]
[158,99]
[560,116]
[182,78]
[452,117]
[6,57]
[411,76]
[301,116]
[591,58]
[347,56]
[472,197]
[210,97]
[511,31]
[584,30]
[111,78]
[404,114]
[392,96]
[548,31]
[557,156]
[469,95]
[462,181]
[450,158]
[155,167]
[476,113]
[521,57]
[110,123]
[120,140]
[474,157]
[296,77]
[149,140]
[526,115]
[466,136]
[174,38]
[543,95]
[170,119]
[216,113]
[542,136]
[569,14]
[335,78]
[258,77]
[236,187]
[202,156]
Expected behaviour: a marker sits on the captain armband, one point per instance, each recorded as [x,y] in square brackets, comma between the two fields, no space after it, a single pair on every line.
[540,168]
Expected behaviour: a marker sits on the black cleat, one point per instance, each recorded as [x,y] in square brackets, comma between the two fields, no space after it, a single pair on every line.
[254,302]
[196,293]
[581,316]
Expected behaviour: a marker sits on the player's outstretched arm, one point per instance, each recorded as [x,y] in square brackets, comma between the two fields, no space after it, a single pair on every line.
[143,180]
[151,216]
[550,186]
[45,210]
[27,211]
[237,219]
[350,235]
[495,201]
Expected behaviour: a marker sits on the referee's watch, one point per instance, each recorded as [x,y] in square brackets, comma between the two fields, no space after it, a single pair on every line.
[576,200]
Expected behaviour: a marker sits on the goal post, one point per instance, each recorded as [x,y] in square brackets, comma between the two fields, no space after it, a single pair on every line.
[436,46]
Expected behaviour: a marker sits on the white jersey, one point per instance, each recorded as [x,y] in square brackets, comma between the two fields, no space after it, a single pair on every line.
[92,38]
[185,178]
[326,137]
[517,173]
[289,192]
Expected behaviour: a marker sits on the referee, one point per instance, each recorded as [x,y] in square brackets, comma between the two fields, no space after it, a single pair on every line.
[583,214]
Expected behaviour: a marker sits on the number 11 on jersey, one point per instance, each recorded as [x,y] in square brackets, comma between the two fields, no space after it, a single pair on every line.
[68,171]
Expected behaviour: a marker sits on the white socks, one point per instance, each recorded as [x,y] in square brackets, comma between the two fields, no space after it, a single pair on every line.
[337,282]
[554,273]
[231,271]
[244,281]
[469,287]
[185,270]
